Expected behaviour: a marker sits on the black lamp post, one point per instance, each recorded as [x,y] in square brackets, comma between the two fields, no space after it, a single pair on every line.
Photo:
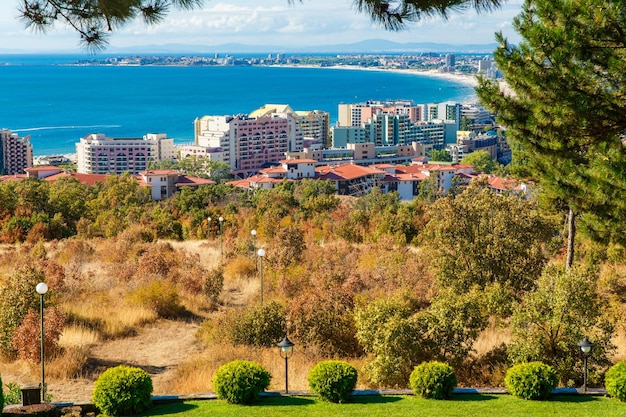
[221,220]
[286,351]
[42,289]
[261,254]
[585,347]
[208,228]
[253,233]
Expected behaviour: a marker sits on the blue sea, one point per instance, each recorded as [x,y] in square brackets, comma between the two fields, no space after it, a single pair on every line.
[57,104]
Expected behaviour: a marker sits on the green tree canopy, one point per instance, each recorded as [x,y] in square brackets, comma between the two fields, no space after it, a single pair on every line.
[480,238]
[481,160]
[550,320]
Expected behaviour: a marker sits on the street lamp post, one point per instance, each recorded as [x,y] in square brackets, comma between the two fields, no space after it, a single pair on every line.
[585,347]
[261,253]
[42,289]
[253,233]
[286,351]
[221,219]
[208,228]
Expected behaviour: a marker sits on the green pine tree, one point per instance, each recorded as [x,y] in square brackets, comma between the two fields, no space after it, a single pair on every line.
[564,109]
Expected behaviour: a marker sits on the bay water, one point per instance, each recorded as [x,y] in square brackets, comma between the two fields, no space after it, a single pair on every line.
[57,104]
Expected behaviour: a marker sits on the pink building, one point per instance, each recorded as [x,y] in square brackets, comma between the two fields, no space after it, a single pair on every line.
[249,143]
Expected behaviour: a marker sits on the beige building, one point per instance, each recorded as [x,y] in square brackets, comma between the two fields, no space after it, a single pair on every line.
[97,154]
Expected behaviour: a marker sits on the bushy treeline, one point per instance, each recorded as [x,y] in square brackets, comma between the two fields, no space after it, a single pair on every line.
[395,283]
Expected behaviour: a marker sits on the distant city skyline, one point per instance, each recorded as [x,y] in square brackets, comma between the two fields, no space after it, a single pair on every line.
[272,23]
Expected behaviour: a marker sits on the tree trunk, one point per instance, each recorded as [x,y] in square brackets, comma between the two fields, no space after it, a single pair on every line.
[571,236]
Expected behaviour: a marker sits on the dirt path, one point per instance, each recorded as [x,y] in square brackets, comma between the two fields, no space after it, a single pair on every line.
[157,349]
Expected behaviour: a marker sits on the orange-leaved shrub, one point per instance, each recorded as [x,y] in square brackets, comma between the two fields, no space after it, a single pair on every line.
[26,338]
[17,297]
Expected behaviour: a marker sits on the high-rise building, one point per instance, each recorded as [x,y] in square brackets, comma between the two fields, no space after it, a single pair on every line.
[97,154]
[359,113]
[248,143]
[17,153]
[450,60]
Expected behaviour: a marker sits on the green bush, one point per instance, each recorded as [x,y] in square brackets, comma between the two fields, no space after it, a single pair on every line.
[531,380]
[241,382]
[13,395]
[434,380]
[333,381]
[260,325]
[615,381]
[123,390]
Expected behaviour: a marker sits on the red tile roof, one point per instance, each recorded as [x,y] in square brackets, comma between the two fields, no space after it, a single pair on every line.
[345,172]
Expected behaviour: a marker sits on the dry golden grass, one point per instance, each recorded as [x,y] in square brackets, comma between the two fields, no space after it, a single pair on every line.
[492,337]
[70,364]
[239,291]
[112,318]
[78,336]
[619,340]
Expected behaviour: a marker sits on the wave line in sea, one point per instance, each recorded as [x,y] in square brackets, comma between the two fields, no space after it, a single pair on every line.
[33,129]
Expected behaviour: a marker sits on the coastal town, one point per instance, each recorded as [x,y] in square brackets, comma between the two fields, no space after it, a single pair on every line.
[460,64]
[385,145]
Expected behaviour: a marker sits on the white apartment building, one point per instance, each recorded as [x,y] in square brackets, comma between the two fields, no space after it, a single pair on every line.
[97,154]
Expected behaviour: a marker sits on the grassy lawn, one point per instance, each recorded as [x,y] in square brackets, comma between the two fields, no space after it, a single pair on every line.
[401,406]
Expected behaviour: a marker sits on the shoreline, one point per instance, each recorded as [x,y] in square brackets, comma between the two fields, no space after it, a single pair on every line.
[465,79]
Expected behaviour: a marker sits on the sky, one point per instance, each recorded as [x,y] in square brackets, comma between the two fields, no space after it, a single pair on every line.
[267,22]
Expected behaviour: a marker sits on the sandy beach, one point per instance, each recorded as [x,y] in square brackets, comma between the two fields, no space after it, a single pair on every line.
[465,79]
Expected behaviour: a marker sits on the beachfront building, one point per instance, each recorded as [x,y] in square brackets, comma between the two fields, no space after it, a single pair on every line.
[356,114]
[248,143]
[17,153]
[476,115]
[314,124]
[97,154]
[391,130]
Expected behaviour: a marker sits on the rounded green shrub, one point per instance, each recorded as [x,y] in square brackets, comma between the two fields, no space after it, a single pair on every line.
[615,381]
[434,380]
[333,381]
[531,380]
[241,382]
[123,390]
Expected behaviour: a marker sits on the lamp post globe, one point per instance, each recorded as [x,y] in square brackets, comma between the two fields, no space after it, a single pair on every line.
[41,288]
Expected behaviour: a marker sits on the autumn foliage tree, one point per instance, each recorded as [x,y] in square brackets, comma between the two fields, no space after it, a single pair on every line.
[28,333]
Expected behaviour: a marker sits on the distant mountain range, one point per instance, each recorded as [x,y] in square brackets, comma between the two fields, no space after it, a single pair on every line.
[370,46]
[378,46]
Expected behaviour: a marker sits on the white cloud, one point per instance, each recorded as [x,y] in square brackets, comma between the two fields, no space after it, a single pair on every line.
[250,21]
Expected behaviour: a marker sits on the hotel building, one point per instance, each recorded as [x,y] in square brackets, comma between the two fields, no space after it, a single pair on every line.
[97,154]
[17,153]
[248,142]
